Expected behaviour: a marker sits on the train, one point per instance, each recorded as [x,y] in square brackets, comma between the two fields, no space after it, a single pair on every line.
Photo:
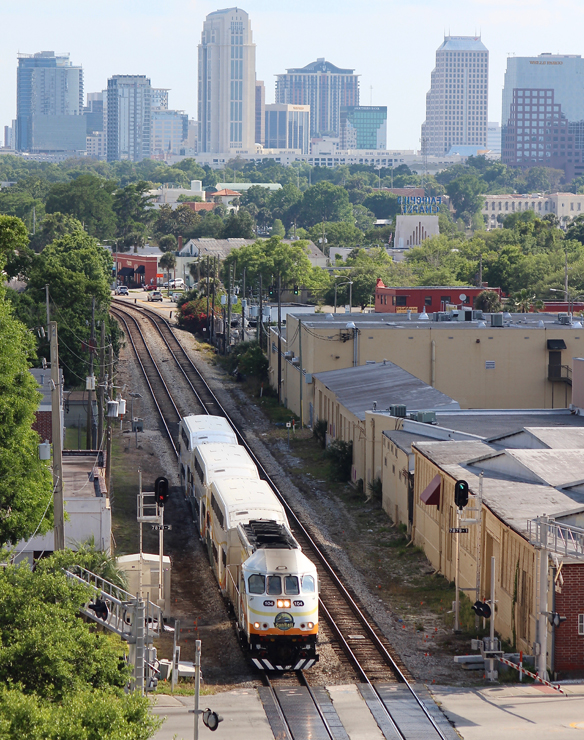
[259,565]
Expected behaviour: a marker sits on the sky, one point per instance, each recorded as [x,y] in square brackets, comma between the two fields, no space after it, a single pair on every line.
[391,44]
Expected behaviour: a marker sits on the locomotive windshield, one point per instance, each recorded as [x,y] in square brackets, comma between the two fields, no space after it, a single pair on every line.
[291,585]
[274,585]
[257,584]
[307,585]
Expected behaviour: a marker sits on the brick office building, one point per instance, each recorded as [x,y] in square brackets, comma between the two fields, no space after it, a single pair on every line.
[425,298]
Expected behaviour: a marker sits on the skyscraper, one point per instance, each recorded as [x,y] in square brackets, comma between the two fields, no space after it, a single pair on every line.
[456,104]
[543,113]
[325,88]
[49,104]
[288,127]
[227,85]
[363,127]
[129,118]
[260,112]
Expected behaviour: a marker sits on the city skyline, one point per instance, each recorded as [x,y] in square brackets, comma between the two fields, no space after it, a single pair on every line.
[287,39]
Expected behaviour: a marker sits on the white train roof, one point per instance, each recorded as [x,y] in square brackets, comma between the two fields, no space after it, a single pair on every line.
[203,428]
[226,460]
[245,499]
[279,562]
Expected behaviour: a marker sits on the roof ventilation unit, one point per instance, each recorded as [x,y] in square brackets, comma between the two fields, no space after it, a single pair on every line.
[426,417]
[565,318]
[496,319]
[399,410]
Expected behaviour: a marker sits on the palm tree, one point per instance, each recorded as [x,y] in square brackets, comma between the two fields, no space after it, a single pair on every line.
[523,300]
[168,262]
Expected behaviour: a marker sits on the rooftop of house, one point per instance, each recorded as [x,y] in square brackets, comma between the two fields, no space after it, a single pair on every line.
[382,384]
[83,475]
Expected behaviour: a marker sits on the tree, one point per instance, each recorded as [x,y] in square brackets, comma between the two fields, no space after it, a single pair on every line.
[181,221]
[90,200]
[54,226]
[238,226]
[576,229]
[364,219]
[15,255]
[278,229]
[131,206]
[324,202]
[383,204]
[540,179]
[25,482]
[167,243]
[167,262]
[340,234]
[465,195]
[487,301]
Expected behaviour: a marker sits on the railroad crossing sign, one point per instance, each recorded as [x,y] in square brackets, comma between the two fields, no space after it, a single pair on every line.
[164,527]
[458,530]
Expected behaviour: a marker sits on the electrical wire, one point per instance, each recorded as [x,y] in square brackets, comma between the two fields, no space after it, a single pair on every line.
[41,521]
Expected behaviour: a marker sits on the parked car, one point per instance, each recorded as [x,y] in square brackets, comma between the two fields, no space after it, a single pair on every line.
[155,295]
[150,287]
[175,296]
[122,290]
[177,283]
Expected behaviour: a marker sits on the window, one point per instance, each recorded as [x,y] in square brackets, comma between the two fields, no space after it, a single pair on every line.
[400,300]
[256,584]
[308,585]
[218,512]
[428,300]
[444,299]
[183,434]
[199,471]
[274,585]
[291,586]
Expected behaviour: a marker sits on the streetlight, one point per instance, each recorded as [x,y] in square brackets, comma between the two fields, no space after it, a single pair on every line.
[350,284]
[133,396]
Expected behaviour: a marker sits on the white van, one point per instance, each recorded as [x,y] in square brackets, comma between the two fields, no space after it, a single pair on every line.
[214,461]
[199,429]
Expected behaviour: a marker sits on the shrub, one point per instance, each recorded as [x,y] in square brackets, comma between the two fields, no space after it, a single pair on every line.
[340,456]
[192,315]
[319,431]
[375,490]
[247,358]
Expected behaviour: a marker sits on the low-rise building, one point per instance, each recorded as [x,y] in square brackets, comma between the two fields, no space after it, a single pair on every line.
[566,206]
[428,299]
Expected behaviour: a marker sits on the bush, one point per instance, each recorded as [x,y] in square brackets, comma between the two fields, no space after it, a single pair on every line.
[247,358]
[319,431]
[375,490]
[488,301]
[340,456]
[192,315]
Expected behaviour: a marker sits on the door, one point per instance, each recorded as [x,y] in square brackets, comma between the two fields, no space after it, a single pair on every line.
[555,365]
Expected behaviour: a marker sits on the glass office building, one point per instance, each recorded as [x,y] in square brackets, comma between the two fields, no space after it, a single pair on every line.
[363,127]
[543,113]
[287,127]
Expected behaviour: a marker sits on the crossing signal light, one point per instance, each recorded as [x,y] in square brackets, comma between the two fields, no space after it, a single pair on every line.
[481,609]
[555,619]
[272,289]
[211,719]
[461,494]
[100,609]
[161,490]
[295,290]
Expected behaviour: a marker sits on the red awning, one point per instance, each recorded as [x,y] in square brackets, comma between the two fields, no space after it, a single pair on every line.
[431,494]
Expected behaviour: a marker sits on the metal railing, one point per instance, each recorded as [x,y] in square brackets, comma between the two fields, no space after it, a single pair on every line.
[560,373]
[563,539]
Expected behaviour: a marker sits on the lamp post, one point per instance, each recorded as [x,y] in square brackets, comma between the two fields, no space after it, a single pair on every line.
[350,284]
[133,396]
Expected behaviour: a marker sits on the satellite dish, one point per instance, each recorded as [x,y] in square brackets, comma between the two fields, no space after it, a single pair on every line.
[462,297]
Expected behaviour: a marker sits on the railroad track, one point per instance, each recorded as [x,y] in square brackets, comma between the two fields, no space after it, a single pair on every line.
[376,665]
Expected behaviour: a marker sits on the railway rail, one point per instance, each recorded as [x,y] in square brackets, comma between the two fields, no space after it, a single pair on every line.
[384,679]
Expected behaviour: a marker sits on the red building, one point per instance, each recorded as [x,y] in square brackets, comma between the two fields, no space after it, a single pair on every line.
[134,270]
[569,636]
[429,298]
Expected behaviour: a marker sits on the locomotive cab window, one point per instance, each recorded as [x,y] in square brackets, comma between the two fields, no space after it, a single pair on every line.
[291,586]
[308,585]
[274,585]
[257,584]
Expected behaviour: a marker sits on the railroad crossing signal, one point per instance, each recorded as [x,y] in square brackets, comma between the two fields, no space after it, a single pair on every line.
[211,719]
[481,609]
[161,490]
[461,494]
[555,619]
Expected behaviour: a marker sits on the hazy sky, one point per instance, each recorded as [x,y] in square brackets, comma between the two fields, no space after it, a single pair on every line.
[390,43]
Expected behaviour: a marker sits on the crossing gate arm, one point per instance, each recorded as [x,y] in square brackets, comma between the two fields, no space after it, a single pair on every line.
[557,687]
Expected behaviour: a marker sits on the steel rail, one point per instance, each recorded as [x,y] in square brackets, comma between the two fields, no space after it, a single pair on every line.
[358,613]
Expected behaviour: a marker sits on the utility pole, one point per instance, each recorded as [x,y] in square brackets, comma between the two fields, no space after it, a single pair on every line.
[243,305]
[229,289]
[100,392]
[543,601]
[481,271]
[88,436]
[279,340]
[213,297]
[301,373]
[261,318]
[48,307]
[110,384]
[58,503]
[208,318]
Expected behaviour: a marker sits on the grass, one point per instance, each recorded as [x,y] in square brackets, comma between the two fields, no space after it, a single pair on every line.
[125,528]
[184,687]
[75,438]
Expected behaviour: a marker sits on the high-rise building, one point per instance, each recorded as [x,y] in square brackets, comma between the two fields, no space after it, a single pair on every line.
[288,127]
[160,98]
[325,88]
[227,83]
[94,112]
[170,131]
[457,102]
[494,137]
[260,110]
[49,104]
[363,127]
[543,113]
[129,118]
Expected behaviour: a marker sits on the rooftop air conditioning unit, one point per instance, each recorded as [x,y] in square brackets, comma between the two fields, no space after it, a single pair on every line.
[465,314]
[477,316]
[496,319]
[445,316]
[439,316]
[426,417]
[398,409]
[565,319]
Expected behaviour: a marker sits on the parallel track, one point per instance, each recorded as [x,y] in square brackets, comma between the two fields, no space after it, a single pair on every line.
[363,644]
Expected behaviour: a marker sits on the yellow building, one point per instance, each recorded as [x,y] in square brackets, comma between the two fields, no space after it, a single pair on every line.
[525,363]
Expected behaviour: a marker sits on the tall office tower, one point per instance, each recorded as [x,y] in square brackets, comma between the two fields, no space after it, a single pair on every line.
[288,127]
[260,111]
[227,95]
[494,137]
[170,131]
[94,111]
[363,127]
[457,102]
[160,98]
[325,88]
[543,113]
[129,118]
[49,104]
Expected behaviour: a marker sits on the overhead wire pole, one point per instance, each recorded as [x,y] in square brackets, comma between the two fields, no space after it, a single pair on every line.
[56,431]
[100,392]
[301,373]
[110,383]
[279,340]
[89,436]
[261,317]
[208,317]
[243,306]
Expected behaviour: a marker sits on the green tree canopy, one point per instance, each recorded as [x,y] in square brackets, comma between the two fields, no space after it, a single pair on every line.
[89,199]
[382,203]
[465,195]
[324,202]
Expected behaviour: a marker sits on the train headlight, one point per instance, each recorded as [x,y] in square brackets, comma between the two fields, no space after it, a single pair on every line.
[256,625]
[310,625]
[283,603]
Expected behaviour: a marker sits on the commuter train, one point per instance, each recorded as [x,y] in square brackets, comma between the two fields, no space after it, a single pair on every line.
[260,567]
